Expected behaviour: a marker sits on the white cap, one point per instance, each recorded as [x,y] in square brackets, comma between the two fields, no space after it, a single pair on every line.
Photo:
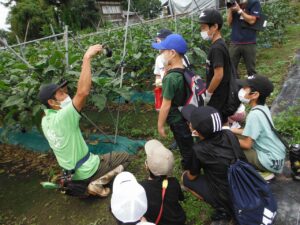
[128,201]
[145,223]
[160,160]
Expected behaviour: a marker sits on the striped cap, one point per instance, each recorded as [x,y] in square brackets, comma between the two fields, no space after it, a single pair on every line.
[206,120]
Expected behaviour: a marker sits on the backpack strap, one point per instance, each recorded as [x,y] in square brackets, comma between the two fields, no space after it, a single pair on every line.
[188,65]
[235,146]
[78,164]
[163,193]
[284,142]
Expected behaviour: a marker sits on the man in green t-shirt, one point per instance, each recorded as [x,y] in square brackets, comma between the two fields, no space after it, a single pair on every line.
[174,93]
[262,147]
[60,125]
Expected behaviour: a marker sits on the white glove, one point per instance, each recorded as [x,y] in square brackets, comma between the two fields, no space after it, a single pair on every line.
[207,97]
[158,82]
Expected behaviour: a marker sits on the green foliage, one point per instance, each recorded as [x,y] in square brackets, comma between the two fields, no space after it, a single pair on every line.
[77,14]
[280,14]
[288,124]
[32,14]
[19,85]
[148,8]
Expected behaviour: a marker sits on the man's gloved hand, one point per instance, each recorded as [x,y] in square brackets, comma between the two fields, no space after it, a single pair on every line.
[207,97]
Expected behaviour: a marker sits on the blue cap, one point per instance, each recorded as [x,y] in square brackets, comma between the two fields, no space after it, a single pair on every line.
[173,41]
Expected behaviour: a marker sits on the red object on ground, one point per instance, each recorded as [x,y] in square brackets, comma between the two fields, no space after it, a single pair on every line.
[158,98]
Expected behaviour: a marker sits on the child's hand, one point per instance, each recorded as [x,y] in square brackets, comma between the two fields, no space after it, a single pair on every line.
[161,131]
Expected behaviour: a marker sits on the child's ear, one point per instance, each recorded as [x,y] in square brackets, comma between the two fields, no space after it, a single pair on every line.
[254,95]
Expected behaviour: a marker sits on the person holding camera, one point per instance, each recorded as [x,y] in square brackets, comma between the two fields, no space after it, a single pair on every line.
[241,16]
[60,125]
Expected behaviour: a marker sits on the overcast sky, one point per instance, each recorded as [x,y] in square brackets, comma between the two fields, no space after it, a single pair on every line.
[3,15]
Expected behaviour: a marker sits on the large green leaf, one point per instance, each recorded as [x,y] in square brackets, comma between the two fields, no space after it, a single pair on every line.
[124,92]
[12,100]
[99,101]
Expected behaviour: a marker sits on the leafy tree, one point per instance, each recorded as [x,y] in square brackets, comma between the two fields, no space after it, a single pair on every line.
[77,14]
[148,8]
[36,15]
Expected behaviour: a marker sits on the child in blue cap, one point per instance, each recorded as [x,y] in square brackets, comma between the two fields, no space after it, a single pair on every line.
[174,95]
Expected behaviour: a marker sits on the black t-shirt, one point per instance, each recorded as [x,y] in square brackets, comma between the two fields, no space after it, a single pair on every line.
[173,213]
[218,56]
[214,156]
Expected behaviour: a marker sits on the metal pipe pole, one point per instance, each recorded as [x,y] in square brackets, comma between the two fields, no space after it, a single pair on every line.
[36,40]
[53,33]
[66,47]
[21,47]
[16,54]
[122,66]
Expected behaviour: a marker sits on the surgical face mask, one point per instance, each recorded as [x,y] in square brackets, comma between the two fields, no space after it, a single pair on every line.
[65,102]
[242,94]
[165,59]
[205,36]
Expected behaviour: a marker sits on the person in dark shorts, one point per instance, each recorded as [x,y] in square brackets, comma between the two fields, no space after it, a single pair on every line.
[159,163]
[85,173]
[218,67]
[213,154]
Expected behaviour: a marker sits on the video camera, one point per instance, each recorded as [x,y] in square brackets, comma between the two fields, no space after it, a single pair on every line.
[107,51]
[231,3]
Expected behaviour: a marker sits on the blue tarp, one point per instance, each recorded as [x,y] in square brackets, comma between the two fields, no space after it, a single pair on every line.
[98,144]
[145,97]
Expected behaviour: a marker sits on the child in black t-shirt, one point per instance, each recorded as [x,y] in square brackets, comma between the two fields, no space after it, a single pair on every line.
[218,68]
[214,154]
[162,210]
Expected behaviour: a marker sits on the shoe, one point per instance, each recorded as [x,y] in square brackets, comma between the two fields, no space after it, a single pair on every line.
[220,215]
[267,175]
[105,179]
[98,190]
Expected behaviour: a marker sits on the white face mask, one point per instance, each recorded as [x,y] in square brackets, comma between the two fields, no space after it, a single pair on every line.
[205,36]
[165,59]
[242,94]
[65,102]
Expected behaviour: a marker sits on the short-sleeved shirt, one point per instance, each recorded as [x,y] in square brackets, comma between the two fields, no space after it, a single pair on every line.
[218,56]
[61,129]
[173,88]
[159,66]
[270,150]
[239,34]
[215,155]
[173,213]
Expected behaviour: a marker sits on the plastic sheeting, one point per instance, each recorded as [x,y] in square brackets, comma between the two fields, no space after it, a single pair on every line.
[98,144]
[290,93]
[186,6]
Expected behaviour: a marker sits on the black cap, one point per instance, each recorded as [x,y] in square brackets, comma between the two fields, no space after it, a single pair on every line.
[206,119]
[163,33]
[62,83]
[47,92]
[260,83]
[211,16]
